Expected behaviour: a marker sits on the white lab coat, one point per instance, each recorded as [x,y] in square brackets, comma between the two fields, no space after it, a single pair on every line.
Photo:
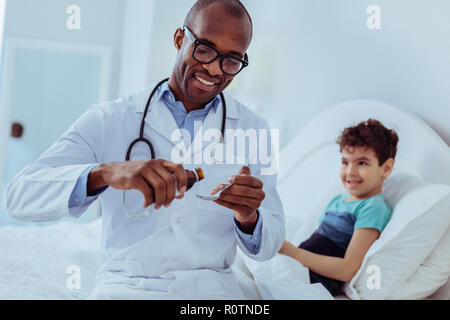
[18,155]
[182,252]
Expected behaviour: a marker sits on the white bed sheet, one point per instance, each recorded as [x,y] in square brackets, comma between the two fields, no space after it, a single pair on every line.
[283,278]
[34,260]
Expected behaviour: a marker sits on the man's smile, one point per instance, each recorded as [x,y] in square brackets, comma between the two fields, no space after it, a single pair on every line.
[204,83]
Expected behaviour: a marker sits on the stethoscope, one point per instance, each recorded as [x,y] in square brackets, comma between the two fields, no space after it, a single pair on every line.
[148,143]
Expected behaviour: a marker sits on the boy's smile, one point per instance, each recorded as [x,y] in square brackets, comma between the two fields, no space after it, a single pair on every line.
[361,173]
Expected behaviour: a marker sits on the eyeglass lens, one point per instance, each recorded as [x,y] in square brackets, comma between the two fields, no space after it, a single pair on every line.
[205,54]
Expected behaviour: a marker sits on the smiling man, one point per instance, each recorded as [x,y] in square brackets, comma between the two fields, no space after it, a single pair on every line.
[160,245]
[211,33]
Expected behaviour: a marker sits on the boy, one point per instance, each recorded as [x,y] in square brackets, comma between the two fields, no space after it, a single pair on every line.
[351,223]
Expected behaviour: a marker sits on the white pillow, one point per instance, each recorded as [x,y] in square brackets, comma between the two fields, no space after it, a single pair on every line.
[432,274]
[421,216]
[308,188]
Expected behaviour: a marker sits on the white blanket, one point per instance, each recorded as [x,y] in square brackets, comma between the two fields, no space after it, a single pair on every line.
[35,260]
[284,278]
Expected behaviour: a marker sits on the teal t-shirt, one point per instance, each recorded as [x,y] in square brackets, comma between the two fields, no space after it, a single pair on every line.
[342,217]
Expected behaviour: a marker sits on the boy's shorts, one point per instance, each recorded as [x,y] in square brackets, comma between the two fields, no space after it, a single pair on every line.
[320,244]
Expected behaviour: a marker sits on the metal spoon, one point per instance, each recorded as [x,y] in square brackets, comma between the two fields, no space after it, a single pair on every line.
[214,196]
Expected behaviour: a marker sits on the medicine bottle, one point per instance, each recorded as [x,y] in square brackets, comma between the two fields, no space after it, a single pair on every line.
[194,176]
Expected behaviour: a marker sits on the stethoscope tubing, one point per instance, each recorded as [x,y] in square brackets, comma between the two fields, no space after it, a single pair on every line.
[141,137]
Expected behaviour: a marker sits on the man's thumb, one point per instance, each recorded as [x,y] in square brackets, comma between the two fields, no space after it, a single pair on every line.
[245,170]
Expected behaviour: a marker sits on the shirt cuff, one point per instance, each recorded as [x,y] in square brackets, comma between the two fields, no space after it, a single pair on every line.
[251,241]
[79,197]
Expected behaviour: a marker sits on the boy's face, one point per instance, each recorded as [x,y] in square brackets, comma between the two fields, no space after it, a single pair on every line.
[361,173]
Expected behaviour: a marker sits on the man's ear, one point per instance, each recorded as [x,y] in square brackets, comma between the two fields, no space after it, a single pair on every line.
[178,38]
[388,166]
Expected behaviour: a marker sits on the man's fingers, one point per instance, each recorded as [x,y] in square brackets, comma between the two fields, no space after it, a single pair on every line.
[159,186]
[245,170]
[216,189]
[232,206]
[169,181]
[180,196]
[245,191]
[240,200]
[146,190]
[246,180]
[180,174]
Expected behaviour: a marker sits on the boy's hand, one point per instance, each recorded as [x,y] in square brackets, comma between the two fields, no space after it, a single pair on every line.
[287,248]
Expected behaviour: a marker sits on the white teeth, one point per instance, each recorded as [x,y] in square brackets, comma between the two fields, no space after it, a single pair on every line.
[204,81]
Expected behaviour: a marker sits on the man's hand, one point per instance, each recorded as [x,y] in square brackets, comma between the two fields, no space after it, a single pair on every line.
[244,197]
[140,175]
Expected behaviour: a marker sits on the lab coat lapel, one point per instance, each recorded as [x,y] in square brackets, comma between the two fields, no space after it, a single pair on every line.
[159,119]
[204,137]
[213,121]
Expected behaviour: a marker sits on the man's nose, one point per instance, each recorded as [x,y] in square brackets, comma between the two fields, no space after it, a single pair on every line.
[213,68]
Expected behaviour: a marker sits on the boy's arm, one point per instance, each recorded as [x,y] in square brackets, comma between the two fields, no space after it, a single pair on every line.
[343,269]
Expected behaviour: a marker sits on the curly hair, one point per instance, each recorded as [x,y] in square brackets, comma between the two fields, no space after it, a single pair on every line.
[371,134]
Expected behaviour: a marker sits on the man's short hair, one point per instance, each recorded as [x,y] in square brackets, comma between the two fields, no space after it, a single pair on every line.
[233,7]
[371,134]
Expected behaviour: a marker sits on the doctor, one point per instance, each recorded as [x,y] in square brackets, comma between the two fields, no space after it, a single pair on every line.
[185,247]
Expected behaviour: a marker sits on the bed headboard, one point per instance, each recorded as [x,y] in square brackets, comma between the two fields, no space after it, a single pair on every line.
[420,150]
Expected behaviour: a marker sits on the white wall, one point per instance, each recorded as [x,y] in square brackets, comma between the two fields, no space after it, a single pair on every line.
[148,52]
[45,22]
[2,15]
[325,54]
[308,54]
[101,24]
[136,45]
[2,136]
[305,55]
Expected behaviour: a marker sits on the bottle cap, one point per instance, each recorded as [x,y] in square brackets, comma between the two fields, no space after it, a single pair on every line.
[200,174]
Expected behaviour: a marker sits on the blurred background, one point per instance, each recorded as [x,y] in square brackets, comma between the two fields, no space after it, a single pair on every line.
[58,57]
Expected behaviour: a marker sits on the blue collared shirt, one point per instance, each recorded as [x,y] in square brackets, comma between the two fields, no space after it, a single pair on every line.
[186,121]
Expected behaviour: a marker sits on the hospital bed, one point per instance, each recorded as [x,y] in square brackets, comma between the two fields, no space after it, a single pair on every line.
[411,259]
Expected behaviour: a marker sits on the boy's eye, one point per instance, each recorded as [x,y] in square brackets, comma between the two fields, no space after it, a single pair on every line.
[344,163]
[362,163]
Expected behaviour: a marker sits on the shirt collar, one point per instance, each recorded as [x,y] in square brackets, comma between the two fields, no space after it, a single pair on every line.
[140,101]
[165,93]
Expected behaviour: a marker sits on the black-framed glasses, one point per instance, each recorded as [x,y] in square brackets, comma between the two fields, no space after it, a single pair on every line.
[206,54]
